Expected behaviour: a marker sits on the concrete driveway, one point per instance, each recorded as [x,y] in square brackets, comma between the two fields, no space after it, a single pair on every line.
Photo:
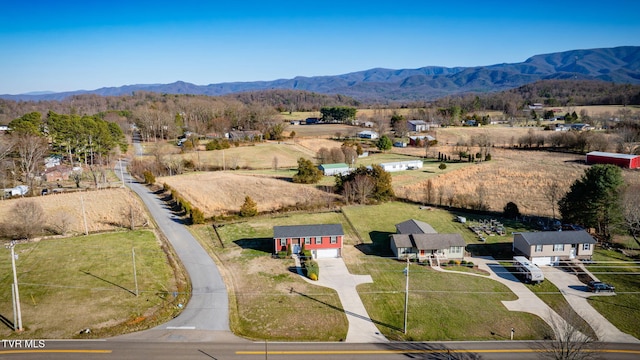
[577,294]
[335,275]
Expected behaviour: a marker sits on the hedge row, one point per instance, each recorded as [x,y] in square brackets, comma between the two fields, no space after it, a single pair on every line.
[195,214]
[311,269]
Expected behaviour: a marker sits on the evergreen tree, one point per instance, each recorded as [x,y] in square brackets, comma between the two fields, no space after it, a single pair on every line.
[249,208]
[594,201]
[308,173]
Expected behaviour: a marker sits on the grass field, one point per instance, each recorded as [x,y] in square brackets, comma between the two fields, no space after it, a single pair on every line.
[105,210]
[268,300]
[467,307]
[623,309]
[71,284]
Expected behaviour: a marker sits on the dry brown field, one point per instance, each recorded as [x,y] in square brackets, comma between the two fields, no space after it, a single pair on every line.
[222,192]
[512,175]
[105,210]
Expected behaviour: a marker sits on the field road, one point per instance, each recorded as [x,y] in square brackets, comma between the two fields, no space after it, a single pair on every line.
[208,307]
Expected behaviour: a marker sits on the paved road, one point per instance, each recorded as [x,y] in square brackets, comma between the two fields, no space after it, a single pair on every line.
[127,350]
[208,307]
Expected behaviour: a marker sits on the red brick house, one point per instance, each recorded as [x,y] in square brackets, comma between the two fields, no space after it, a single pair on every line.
[58,173]
[323,240]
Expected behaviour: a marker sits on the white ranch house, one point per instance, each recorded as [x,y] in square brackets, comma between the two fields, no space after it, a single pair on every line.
[402,165]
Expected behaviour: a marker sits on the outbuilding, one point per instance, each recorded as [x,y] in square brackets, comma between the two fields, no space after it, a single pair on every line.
[622,160]
[334,169]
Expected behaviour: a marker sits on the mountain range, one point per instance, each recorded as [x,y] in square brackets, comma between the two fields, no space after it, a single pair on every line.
[619,65]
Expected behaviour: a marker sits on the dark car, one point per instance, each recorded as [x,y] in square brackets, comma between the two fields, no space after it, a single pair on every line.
[597,286]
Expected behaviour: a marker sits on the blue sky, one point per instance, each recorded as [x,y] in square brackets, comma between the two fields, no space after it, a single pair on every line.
[72,45]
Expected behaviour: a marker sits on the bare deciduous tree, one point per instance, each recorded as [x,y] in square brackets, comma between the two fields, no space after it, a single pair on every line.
[568,342]
[31,150]
[631,211]
[363,186]
[62,222]
[26,219]
[553,192]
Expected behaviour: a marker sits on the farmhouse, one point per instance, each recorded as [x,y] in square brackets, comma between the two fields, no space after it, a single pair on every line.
[417,125]
[622,160]
[402,165]
[368,134]
[58,173]
[550,247]
[245,135]
[323,240]
[417,240]
[334,169]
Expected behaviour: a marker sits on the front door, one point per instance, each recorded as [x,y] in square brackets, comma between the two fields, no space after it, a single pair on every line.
[572,253]
[295,246]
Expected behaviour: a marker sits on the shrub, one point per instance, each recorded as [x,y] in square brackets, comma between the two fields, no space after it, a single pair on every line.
[197,216]
[457,262]
[249,208]
[451,262]
[487,157]
[442,166]
[149,178]
[312,269]
[469,264]
[463,262]
[282,254]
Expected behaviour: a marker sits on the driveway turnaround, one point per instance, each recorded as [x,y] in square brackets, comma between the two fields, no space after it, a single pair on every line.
[335,275]
[576,294]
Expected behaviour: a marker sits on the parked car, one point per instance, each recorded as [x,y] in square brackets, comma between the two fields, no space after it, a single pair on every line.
[597,286]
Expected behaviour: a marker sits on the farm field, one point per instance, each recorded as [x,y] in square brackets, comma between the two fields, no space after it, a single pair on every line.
[105,210]
[76,283]
[223,192]
[468,310]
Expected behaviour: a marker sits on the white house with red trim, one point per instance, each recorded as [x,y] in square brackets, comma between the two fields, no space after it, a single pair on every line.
[323,240]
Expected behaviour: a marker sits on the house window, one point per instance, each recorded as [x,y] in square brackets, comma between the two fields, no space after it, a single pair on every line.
[334,240]
[283,242]
[307,241]
[318,240]
[558,247]
[586,246]
[538,248]
[456,249]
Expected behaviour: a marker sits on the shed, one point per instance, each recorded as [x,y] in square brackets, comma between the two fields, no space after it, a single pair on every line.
[334,169]
[622,160]
[368,134]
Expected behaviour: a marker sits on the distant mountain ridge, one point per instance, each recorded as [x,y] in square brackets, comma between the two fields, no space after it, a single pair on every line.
[618,64]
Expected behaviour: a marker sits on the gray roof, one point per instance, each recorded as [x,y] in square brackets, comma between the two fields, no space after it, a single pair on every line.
[612,155]
[295,231]
[558,237]
[414,227]
[427,241]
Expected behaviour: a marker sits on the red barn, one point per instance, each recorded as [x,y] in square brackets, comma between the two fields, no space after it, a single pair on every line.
[622,160]
[323,240]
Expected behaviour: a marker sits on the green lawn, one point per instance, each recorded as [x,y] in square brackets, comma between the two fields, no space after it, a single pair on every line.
[87,282]
[623,309]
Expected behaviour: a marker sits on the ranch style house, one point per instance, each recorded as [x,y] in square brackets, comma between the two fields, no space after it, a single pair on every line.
[323,240]
[550,247]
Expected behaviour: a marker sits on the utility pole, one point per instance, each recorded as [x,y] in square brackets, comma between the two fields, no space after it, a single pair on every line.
[121,172]
[16,301]
[406,295]
[84,217]
[135,275]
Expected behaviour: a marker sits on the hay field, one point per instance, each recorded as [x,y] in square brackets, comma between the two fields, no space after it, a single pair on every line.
[259,156]
[105,210]
[512,175]
[221,192]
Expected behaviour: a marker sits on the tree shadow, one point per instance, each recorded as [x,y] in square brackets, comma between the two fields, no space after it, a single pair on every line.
[431,351]
[108,282]
[345,312]
[379,245]
[8,323]
[259,244]
[499,251]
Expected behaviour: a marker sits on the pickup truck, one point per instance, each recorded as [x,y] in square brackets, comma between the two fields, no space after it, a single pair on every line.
[597,286]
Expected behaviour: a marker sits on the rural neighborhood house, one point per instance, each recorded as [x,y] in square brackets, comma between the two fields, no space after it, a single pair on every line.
[323,240]
[550,247]
[417,240]
[402,165]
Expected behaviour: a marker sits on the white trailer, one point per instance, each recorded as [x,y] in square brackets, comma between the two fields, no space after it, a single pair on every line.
[527,269]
